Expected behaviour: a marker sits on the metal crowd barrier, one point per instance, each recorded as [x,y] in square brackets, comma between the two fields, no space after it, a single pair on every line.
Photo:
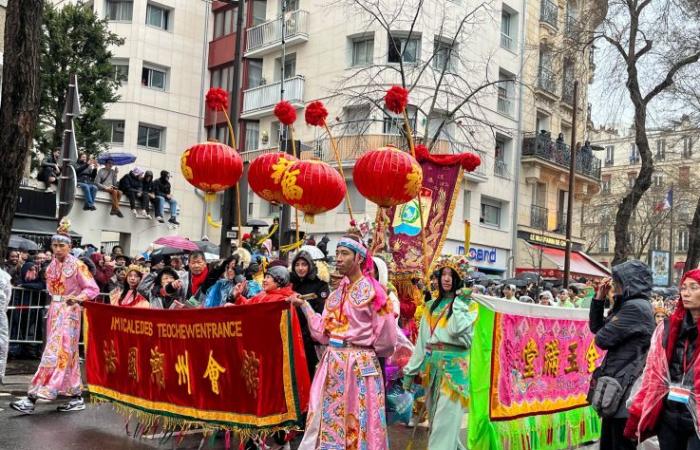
[27,312]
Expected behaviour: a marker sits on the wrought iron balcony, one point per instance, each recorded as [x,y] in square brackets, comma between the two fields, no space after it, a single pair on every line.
[541,146]
[549,12]
[267,37]
[538,217]
[547,80]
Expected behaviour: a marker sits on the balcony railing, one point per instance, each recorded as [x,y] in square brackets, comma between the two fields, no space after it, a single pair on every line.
[500,169]
[506,41]
[572,26]
[567,91]
[549,13]
[270,33]
[546,80]
[352,147]
[561,222]
[505,105]
[543,147]
[260,99]
[538,217]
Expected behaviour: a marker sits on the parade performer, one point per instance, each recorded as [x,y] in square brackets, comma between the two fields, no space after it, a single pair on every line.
[128,295]
[69,283]
[346,407]
[441,355]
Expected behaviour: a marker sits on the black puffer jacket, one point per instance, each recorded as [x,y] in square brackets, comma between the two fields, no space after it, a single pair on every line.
[310,284]
[626,333]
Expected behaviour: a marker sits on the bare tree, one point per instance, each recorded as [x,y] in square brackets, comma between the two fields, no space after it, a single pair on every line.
[653,42]
[20,102]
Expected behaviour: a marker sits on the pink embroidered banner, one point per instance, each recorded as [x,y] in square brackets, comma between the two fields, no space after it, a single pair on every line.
[540,365]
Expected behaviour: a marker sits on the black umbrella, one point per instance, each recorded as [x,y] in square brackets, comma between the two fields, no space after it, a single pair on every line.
[255,223]
[517,282]
[207,247]
[20,243]
[530,276]
[478,275]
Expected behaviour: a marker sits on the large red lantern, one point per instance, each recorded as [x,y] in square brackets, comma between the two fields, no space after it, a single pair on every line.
[387,176]
[265,175]
[313,187]
[211,166]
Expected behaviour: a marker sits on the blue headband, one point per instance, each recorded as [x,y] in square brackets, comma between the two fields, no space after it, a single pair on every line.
[353,245]
[61,238]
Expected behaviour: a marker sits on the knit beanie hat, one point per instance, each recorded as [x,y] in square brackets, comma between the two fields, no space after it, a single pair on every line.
[280,274]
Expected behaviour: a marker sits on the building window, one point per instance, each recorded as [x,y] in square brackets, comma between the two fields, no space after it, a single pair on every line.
[222,78]
[404,49]
[605,188]
[356,119]
[631,179]
[252,135]
[661,150]
[157,16]
[394,123]
[120,68]
[116,131]
[121,10]
[151,137]
[634,154]
[683,240]
[362,51]
[656,241]
[604,242]
[684,176]
[251,202]
[507,30]
[224,22]
[609,155]
[443,55]
[290,67]
[357,201]
[491,212]
[506,93]
[687,147]
[154,78]
[502,156]
[466,205]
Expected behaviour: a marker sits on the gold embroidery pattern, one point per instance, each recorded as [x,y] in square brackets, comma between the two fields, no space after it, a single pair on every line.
[182,367]
[250,372]
[110,357]
[289,185]
[157,361]
[133,363]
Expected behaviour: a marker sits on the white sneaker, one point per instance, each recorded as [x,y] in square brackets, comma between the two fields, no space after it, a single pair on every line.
[23,405]
[145,215]
[75,404]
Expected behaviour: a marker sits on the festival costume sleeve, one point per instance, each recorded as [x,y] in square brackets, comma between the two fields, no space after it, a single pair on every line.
[418,355]
[384,329]
[88,287]
[316,326]
[461,324]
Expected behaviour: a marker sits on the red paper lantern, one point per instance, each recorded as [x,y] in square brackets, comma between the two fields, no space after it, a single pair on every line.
[387,176]
[313,187]
[211,166]
[265,175]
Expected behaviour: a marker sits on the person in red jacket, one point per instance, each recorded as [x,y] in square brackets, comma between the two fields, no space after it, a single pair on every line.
[667,404]
[275,285]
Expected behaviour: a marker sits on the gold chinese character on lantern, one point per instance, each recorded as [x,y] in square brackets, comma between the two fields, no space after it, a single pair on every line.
[110,356]
[133,363]
[157,367]
[182,367]
[551,358]
[214,369]
[592,356]
[289,185]
[530,353]
[572,357]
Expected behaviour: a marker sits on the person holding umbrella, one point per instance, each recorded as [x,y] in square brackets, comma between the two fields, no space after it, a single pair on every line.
[106,180]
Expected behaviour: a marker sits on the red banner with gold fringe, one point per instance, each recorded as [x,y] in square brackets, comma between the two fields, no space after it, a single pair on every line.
[237,368]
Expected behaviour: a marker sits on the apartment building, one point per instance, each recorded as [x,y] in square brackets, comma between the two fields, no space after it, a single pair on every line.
[556,55]
[660,222]
[335,53]
[159,113]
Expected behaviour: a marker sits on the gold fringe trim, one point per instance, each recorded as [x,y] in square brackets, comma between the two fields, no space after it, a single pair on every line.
[165,424]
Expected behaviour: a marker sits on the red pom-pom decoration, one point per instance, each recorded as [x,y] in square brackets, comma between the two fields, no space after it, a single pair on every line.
[285,112]
[217,99]
[396,99]
[470,161]
[316,114]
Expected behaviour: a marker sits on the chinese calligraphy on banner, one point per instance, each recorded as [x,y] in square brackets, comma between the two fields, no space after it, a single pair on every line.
[240,368]
[540,365]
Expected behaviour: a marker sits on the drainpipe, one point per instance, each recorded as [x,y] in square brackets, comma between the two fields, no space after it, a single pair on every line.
[518,153]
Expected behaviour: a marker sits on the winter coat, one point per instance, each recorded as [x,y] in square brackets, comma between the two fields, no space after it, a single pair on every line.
[626,333]
[275,295]
[161,187]
[675,336]
[130,182]
[158,296]
[147,184]
[310,284]
[213,274]
[85,173]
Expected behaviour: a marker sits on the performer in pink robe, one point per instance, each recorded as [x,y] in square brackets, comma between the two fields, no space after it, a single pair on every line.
[346,407]
[70,283]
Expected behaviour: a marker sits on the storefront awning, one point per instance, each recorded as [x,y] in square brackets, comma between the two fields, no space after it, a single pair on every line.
[36,226]
[553,261]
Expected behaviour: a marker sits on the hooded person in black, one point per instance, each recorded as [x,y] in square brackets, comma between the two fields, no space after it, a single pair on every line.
[305,281]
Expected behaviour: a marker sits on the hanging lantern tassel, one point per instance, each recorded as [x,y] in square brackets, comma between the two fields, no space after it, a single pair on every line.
[209,198]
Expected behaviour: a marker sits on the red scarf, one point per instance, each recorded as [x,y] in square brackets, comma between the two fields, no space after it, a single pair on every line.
[197,280]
